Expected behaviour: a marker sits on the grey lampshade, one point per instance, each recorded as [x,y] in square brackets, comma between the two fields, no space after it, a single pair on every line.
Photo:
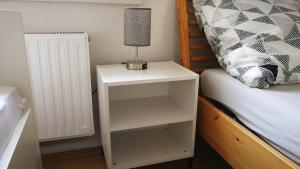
[137,26]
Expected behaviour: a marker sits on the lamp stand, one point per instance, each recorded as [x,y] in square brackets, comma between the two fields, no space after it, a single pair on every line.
[136,64]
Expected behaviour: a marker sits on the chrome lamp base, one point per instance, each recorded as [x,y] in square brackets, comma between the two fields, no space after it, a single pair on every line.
[136,65]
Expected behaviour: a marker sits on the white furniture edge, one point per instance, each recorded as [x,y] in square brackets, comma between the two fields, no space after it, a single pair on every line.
[20,137]
[123,2]
[191,76]
[11,146]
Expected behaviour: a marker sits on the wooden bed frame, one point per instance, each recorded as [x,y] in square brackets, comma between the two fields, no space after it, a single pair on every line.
[236,144]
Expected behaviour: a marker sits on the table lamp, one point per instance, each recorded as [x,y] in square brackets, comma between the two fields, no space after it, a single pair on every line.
[137,32]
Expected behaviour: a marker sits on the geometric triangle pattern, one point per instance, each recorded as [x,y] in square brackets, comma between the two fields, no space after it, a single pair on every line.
[264,19]
[254,10]
[265,37]
[296,69]
[209,3]
[227,4]
[256,41]
[266,1]
[293,38]
[259,47]
[284,59]
[219,31]
[234,47]
[241,19]
[244,34]
[293,17]
[284,9]
[275,10]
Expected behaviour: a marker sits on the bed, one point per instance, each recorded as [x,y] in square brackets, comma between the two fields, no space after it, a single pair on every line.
[18,145]
[10,113]
[262,111]
[240,146]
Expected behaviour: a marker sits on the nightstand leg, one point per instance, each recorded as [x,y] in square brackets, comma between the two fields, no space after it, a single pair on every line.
[190,163]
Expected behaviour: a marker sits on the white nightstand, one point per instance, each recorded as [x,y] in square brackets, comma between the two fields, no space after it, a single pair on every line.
[147,116]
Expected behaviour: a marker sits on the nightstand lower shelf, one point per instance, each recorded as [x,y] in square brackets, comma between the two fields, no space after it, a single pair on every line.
[150,146]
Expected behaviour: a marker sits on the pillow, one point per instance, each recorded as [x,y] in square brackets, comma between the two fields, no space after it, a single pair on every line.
[255,41]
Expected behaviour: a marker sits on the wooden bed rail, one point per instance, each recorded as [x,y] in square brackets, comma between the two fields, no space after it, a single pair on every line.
[235,143]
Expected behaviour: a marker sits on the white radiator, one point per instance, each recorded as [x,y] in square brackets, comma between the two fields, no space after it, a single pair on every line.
[59,67]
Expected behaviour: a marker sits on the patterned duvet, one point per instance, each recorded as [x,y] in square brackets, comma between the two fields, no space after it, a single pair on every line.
[255,41]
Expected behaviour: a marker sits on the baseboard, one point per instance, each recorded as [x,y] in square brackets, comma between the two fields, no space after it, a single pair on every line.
[70,144]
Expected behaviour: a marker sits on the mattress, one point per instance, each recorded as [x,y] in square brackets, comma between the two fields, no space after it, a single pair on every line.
[11,108]
[273,113]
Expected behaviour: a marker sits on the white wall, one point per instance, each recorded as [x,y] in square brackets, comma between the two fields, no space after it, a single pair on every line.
[13,64]
[104,24]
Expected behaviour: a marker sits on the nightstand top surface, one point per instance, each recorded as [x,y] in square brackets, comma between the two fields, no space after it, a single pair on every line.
[157,72]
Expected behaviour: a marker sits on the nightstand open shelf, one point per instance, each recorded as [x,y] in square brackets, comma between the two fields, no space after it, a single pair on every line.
[147,116]
[150,146]
[150,104]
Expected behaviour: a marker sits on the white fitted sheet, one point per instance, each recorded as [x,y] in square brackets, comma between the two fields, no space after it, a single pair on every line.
[10,112]
[273,113]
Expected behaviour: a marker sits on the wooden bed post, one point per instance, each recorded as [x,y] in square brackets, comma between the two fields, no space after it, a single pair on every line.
[182,16]
[192,39]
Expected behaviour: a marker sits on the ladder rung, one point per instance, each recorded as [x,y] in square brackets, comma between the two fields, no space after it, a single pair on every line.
[203,58]
[193,22]
[197,34]
[202,46]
